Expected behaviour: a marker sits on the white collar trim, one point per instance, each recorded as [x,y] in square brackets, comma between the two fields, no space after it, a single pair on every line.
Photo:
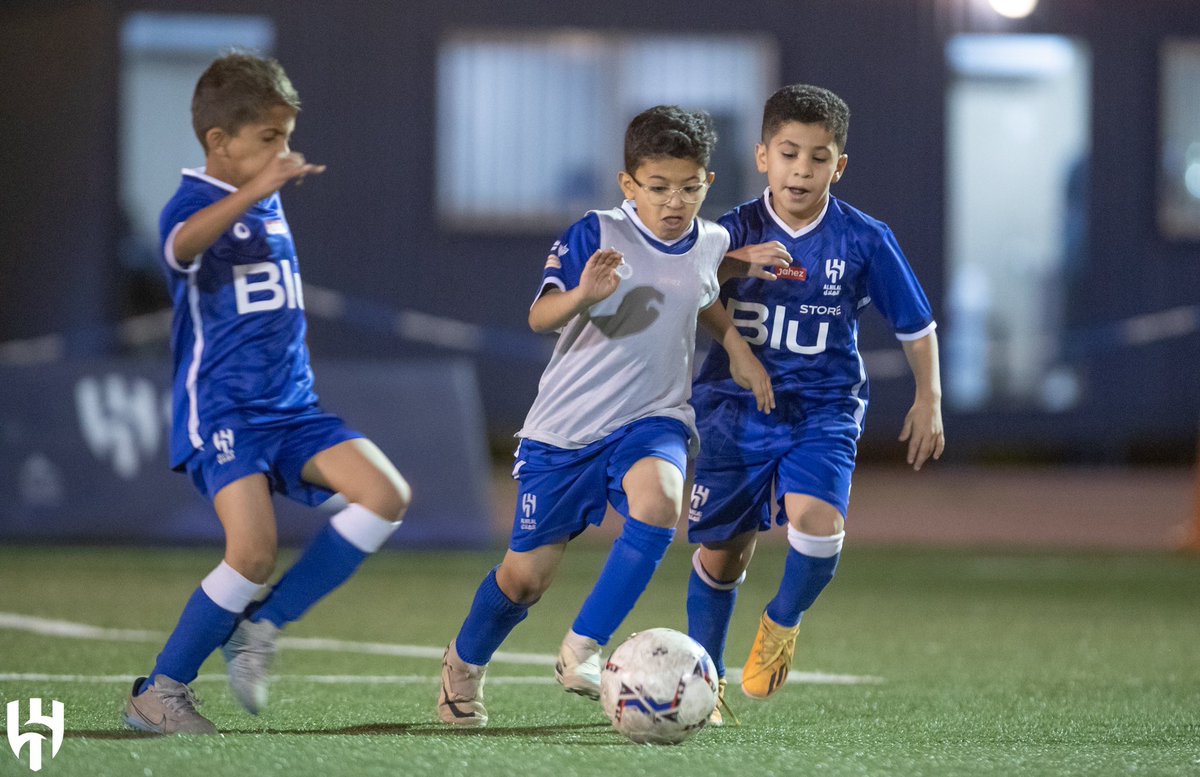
[631,211]
[199,173]
[782,225]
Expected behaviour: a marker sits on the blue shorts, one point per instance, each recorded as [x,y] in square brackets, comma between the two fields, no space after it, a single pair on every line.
[562,491]
[279,449]
[730,498]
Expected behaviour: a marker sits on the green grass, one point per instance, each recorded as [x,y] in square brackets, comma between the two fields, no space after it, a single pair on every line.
[992,663]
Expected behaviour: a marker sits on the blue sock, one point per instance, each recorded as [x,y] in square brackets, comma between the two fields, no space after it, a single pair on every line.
[631,563]
[327,562]
[709,611]
[203,627]
[804,578]
[492,618]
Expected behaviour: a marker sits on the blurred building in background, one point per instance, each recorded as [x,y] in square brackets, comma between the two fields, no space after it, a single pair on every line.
[1042,173]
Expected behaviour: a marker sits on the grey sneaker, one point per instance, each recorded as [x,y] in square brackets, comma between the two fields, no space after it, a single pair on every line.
[248,653]
[578,667]
[460,702]
[166,707]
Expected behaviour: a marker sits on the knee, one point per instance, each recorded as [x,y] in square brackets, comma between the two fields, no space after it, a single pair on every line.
[660,510]
[389,498]
[522,587]
[819,523]
[254,564]
[724,564]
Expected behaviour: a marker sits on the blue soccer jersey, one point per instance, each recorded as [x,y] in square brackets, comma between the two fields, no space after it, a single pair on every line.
[238,335]
[803,327]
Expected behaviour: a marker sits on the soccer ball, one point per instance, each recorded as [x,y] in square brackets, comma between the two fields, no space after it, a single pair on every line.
[658,687]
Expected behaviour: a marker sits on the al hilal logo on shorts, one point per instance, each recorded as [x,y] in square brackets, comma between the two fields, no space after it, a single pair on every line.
[528,507]
[17,740]
[699,499]
[223,442]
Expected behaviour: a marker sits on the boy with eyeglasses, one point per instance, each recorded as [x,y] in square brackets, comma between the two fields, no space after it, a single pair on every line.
[804,328]
[611,422]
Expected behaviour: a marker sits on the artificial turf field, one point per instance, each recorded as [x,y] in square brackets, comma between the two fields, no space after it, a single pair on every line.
[917,662]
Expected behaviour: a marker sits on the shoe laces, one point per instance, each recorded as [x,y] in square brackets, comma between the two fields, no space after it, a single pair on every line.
[464,680]
[724,705]
[255,640]
[181,699]
[775,643]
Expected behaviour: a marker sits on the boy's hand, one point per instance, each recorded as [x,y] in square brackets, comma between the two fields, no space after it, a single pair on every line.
[757,258]
[280,170]
[747,371]
[599,278]
[923,430]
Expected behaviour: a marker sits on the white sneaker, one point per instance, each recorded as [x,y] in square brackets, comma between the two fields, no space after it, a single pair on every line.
[578,667]
[166,707]
[248,653]
[460,701]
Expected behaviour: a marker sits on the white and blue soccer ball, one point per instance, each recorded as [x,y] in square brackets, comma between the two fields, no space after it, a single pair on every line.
[658,687]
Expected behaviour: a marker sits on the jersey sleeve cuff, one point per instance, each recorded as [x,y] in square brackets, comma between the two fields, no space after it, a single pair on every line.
[169,253]
[910,336]
[547,282]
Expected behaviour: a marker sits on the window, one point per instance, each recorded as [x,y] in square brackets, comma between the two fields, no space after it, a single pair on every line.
[1179,143]
[530,126]
[162,57]
[1018,119]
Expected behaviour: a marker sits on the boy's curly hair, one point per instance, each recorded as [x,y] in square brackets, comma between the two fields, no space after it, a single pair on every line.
[669,131]
[807,104]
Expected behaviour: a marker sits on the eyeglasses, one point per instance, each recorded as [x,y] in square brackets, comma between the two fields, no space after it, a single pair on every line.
[657,194]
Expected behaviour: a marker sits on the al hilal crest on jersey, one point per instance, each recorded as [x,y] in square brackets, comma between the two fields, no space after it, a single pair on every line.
[804,326]
[237,337]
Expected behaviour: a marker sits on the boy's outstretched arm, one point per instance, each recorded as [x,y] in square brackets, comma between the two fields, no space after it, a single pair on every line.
[744,366]
[598,281]
[203,227]
[923,424]
[753,261]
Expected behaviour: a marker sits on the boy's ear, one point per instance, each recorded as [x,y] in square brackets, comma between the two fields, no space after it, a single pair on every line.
[843,160]
[760,157]
[215,139]
[628,187]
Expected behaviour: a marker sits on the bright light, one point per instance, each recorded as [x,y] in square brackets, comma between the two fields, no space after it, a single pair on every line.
[1014,9]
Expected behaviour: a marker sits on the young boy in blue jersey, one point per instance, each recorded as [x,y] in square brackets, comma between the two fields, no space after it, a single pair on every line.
[803,326]
[611,422]
[246,420]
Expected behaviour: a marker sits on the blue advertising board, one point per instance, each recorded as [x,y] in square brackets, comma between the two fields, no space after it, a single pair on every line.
[83,453]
